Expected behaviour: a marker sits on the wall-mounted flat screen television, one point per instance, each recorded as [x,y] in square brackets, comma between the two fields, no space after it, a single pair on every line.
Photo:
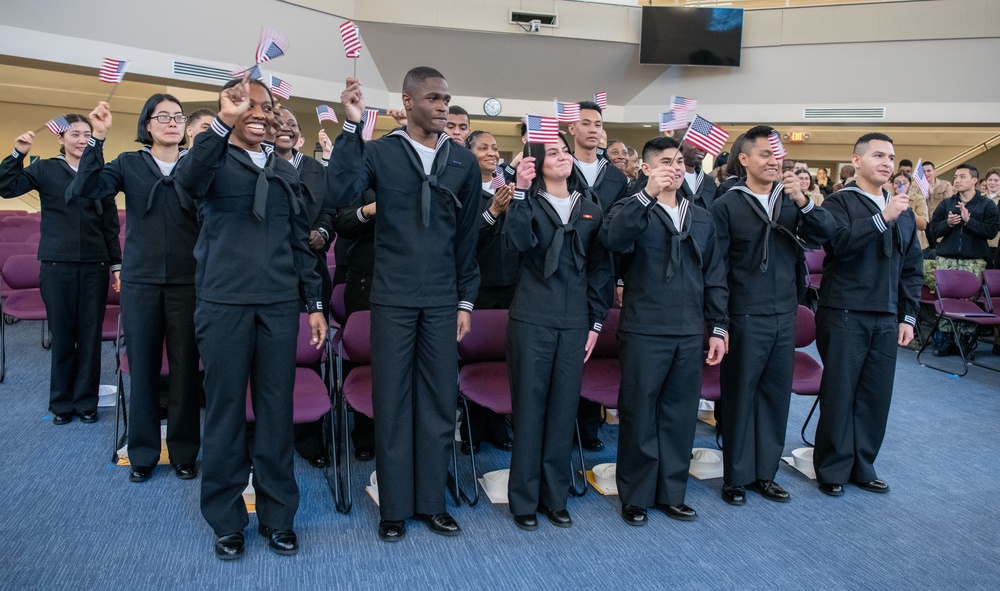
[674,35]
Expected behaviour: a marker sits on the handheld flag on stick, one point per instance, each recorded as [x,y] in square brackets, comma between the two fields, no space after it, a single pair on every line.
[680,103]
[567,112]
[921,179]
[774,139]
[352,43]
[673,120]
[112,71]
[280,87]
[706,135]
[497,180]
[325,113]
[272,44]
[542,130]
[601,98]
[368,124]
[57,125]
[255,72]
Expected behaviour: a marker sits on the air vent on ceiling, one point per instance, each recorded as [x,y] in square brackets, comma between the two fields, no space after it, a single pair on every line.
[861,113]
[524,18]
[196,71]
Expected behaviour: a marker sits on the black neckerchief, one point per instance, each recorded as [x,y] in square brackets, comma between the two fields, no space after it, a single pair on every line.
[770,218]
[891,230]
[429,181]
[264,176]
[677,236]
[555,247]
[588,189]
[165,181]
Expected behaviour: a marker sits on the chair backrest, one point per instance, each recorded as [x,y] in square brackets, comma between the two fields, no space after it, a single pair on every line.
[337,307]
[19,220]
[991,279]
[488,339]
[306,354]
[20,232]
[9,213]
[814,260]
[607,340]
[21,271]
[358,337]
[953,284]
[805,327]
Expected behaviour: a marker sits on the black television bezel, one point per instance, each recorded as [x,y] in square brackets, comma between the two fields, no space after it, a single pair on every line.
[690,8]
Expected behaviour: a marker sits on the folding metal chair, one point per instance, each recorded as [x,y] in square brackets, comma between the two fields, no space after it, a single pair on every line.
[25,303]
[959,294]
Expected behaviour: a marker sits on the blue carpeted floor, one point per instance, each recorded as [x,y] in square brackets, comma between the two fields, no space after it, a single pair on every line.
[68,520]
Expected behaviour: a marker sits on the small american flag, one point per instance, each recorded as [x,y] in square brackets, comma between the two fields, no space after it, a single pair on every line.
[255,71]
[673,120]
[352,43]
[776,148]
[542,130]
[921,179]
[272,44]
[680,103]
[497,180]
[58,125]
[280,87]
[368,124]
[112,70]
[567,112]
[706,135]
[325,113]
[601,98]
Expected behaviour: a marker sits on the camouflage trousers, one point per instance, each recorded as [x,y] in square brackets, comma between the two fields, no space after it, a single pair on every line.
[972,265]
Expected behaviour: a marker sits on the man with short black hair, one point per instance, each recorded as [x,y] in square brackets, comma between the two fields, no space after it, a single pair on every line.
[962,225]
[602,183]
[425,281]
[763,224]
[458,125]
[905,166]
[940,188]
[868,305]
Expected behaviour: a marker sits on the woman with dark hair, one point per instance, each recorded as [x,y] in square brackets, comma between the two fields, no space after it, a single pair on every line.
[158,271]
[556,314]
[808,186]
[900,185]
[253,262]
[78,247]
[734,170]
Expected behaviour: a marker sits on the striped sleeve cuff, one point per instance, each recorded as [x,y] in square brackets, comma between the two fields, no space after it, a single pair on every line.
[92,142]
[17,154]
[314,306]
[323,232]
[465,306]
[720,332]
[508,170]
[361,216]
[808,206]
[520,194]
[324,162]
[879,223]
[596,327]
[115,268]
[907,319]
[489,217]
[350,127]
[220,128]
[643,198]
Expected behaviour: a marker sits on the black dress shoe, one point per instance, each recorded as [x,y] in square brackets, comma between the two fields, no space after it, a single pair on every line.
[833,490]
[875,486]
[140,473]
[89,416]
[186,471]
[734,495]
[528,522]
[557,517]
[467,449]
[61,418]
[594,444]
[770,490]
[946,351]
[318,460]
[229,546]
[442,524]
[634,515]
[280,541]
[391,530]
[680,512]
[364,454]
[506,445]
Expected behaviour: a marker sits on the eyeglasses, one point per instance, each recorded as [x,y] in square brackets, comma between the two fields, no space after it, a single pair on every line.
[164,119]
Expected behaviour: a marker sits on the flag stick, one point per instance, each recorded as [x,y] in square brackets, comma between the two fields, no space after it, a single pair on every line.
[39,130]
[355,68]
[112,93]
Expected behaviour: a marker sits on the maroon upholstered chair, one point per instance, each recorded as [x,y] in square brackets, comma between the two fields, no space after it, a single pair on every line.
[24,303]
[807,373]
[959,294]
[7,250]
[814,269]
